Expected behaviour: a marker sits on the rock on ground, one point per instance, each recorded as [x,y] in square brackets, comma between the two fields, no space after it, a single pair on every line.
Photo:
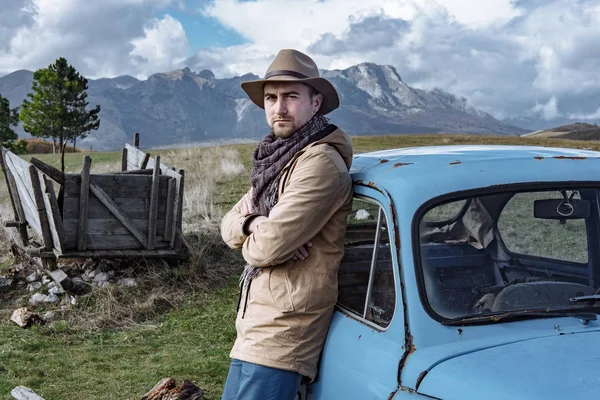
[24,393]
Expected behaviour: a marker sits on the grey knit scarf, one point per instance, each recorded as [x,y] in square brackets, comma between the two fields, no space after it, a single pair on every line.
[268,160]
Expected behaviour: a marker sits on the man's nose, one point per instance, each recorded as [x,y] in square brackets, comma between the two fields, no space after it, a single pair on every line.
[280,107]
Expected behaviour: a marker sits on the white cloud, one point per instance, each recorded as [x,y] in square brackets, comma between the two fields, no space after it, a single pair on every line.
[547,111]
[164,46]
[98,38]
[586,117]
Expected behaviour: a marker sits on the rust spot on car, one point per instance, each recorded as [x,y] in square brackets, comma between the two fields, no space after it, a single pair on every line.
[460,331]
[570,157]
[420,379]
[402,164]
[371,184]
[391,396]
[383,161]
[456,162]
[539,158]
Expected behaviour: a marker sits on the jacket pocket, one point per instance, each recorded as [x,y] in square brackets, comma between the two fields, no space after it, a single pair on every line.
[281,290]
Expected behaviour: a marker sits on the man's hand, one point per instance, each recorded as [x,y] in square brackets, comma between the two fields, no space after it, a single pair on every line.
[302,253]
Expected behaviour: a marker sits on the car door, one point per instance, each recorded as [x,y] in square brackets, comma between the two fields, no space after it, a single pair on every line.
[365,341]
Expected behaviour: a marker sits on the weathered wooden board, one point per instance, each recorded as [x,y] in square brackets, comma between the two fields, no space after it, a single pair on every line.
[152,218]
[20,170]
[116,242]
[111,226]
[84,196]
[118,185]
[136,208]
[41,208]
[51,205]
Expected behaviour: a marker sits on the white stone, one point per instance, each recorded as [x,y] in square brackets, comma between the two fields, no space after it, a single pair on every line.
[127,282]
[101,277]
[34,286]
[55,290]
[45,280]
[86,276]
[73,300]
[39,298]
[49,316]
[24,393]
[32,277]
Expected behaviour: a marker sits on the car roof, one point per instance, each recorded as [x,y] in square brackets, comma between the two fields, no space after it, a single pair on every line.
[437,170]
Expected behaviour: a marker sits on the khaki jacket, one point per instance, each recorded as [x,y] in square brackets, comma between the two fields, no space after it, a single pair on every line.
[283,320]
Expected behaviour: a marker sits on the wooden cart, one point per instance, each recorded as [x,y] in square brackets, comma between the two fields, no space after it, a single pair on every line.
[136,212]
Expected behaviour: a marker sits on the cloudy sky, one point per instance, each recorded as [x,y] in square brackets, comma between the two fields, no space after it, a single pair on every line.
[528,58]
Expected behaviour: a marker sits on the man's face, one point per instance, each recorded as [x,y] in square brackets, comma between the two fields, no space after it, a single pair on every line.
[288,106]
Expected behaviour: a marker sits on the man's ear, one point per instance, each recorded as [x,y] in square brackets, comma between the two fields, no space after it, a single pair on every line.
[317,100]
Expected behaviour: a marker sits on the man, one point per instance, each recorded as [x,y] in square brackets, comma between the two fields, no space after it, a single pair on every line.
[290,227]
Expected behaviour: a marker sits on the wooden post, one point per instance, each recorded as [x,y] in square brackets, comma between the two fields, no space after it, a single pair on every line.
[153,205]
[84,195]
[136,140]
[124,159]
[176,234]
[41,208]
[170,208]
[15,201]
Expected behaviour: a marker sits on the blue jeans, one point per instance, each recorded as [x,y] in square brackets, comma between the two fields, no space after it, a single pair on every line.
[248,381]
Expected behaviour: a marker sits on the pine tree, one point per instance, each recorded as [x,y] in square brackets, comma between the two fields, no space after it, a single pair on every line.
[9,118]
[57,105]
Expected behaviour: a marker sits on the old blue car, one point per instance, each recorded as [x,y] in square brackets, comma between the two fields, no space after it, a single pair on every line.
[470,272]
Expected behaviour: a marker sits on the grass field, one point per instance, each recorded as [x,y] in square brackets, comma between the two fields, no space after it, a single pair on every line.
[191,338]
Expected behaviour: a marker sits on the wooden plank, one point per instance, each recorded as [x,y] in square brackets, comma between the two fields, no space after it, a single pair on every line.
[49,170]
[135,157]
[118,185]
[177,221]
[19,169]
[46,185]
[110,226]
[124,160]
[114,242]
[117,212]
[103,242]
[170,202]
[55,215]
[136,140]
[84,194]
[120,254]
[153,206]
[15,201]
[41,208]
[144,163]
[146,171]
[136,208]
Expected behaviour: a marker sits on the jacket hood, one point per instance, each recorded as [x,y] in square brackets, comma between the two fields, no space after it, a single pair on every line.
[554,367]
[341,142]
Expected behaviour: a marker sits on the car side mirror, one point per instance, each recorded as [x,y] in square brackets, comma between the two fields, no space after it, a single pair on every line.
[561,209]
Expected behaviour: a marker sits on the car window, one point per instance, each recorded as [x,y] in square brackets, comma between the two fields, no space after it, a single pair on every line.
[366,276]
[509,251]
[522,233]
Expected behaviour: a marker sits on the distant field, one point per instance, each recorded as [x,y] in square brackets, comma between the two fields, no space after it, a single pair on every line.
[192,337]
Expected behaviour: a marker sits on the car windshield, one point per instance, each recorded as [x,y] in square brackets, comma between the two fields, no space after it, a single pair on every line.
[510,252]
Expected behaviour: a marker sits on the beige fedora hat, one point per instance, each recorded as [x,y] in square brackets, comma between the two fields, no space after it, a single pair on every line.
[292,65]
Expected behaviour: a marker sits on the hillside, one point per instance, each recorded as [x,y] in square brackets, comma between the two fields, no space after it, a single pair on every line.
[576,131]
[182,106]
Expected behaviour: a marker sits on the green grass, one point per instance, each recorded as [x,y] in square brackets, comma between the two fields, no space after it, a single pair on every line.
[191,341]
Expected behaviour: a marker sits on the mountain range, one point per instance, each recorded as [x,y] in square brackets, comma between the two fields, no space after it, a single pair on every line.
[183,106]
